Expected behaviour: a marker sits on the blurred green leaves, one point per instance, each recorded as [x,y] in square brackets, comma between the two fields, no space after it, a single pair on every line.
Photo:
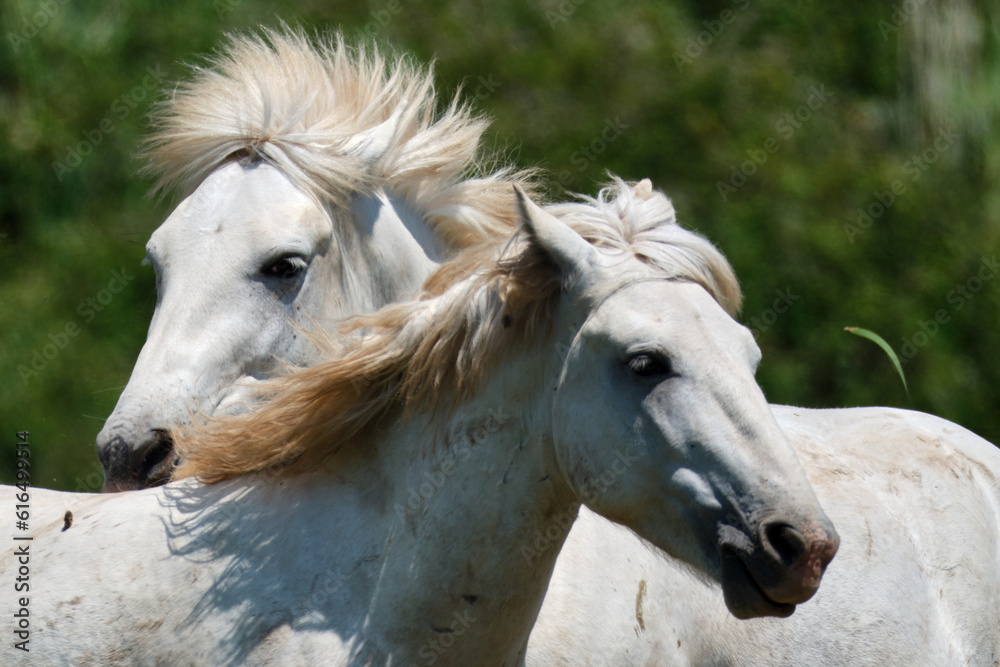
[554,85]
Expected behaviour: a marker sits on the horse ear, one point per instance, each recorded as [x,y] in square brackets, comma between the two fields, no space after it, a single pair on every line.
[574,255]
[373,144]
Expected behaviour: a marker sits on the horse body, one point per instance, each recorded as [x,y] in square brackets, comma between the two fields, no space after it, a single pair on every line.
[665,405]
[916,500]
[186,574]
[326,569]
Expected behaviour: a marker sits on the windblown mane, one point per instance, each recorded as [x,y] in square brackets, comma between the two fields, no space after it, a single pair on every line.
[426,353]
[297,103]
[637,219]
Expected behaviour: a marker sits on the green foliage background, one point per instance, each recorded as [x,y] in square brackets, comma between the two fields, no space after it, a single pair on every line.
[698,88]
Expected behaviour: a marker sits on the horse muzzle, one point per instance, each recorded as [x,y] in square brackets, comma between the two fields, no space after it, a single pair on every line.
[783,567]
[128,467]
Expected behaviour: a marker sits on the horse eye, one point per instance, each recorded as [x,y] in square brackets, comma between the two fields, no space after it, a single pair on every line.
[646,365]
[284,268]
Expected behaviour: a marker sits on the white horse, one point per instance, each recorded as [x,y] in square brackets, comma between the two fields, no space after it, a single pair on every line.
[613,602]
[916,501]
[519,387]
[318,185]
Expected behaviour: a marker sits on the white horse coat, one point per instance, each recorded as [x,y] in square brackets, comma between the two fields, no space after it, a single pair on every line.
[598,610]
[651,418]
[320,183]
[916,501]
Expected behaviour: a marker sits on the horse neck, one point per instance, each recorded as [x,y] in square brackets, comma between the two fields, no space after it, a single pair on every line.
[475,516]
[440,534]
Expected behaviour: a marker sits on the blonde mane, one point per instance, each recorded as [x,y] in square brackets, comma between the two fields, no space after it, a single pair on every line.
[297,103]
[435,350]
[635,218]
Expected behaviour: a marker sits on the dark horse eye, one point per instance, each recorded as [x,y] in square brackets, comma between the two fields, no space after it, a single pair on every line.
[286,267]
[646,365]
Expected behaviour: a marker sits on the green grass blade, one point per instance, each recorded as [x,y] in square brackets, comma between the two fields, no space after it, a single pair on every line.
[878,340]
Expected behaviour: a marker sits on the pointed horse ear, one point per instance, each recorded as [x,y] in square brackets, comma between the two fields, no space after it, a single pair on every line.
[373,144]
[570,251]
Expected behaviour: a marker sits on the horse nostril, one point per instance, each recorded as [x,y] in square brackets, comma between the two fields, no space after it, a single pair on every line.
[157,460]
[784,542]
